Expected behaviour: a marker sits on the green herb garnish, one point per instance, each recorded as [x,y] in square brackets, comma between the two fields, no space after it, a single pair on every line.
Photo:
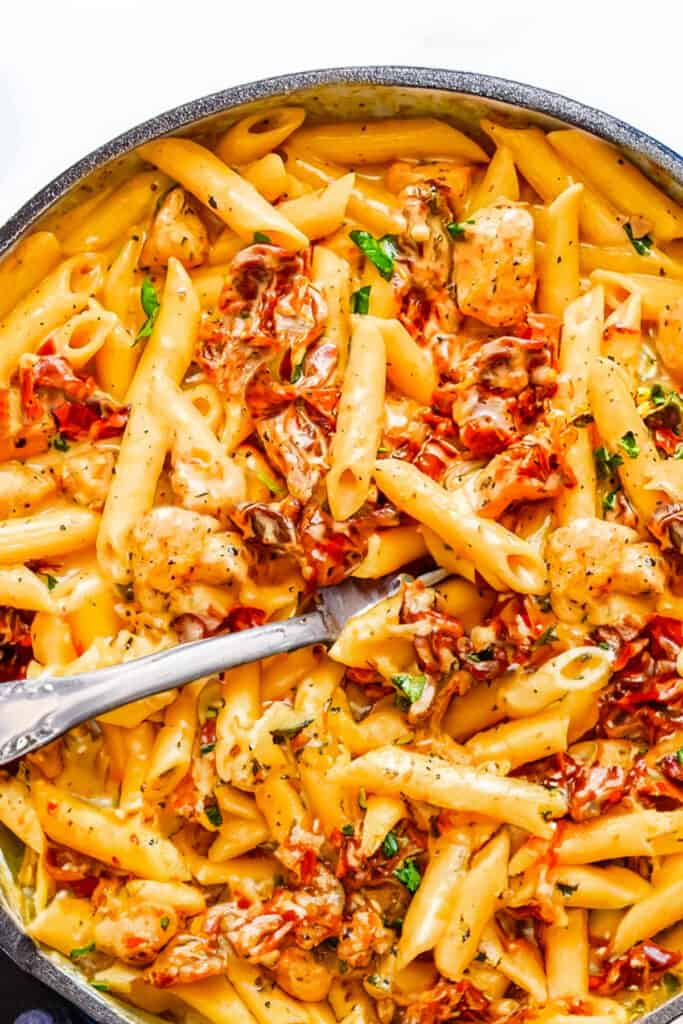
[207,748]
[213,814]
[642,245]
[408,874]
[76,954]
[410,686]
[347,830]
[164,922]
[605,464]
[390,845]
[50,581]
[486,654]
[380,251]
[360,300]
[297,372]
[630,445]
[548,636]
[260,237]
[609,500]
[149,300]
[282,735]
[59,443]
[268,482]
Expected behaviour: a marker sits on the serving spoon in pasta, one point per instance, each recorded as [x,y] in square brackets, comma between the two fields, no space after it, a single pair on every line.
[36,711]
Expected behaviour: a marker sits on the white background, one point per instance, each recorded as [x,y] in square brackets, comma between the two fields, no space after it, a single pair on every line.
[74,73]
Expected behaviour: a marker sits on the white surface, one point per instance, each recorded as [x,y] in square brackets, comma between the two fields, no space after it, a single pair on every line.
[74,73]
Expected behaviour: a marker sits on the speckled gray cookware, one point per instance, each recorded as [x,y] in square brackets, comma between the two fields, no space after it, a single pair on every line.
[462,97]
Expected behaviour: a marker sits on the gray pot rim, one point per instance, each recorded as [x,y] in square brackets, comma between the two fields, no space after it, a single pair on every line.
[13,941]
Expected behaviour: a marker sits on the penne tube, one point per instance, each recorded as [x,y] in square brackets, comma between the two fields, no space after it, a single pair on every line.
[473,906]
[410,368]
[517,959]
[359,421]
[389,549]
[131,203]
[383,299]
[26,266]
[227,245]
[57,530]
[381,814]
[566,957]
[252,137]
[657,293]
[369,203]
[499,182]
[231,198]
[522,741]
[549,175]
[503,559]
[558,283]
[105,835]
[267,174]
[22,588]
[618,179]
[480,708]
[433,905]
[65,291]
[331,275]
[237,836]
[320,213]
[392,771]
[216,1000]
[631,834]
[616,416]
[264,999]
[66,923]
[19,815]
[658,910]
[608,888]
[578,670]
[371,142]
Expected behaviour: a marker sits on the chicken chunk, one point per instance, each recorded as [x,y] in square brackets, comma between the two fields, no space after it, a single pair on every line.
[600,571]
[494,265]
[172,546]
[86,475]
[136,933]
[177,231]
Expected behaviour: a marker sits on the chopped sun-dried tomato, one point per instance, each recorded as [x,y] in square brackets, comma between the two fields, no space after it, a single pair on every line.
[640,968]
[16,649]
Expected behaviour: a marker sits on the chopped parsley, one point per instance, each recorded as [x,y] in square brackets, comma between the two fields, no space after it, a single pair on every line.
[390,845]
[213,813]
[409,875]
[260,237]
[642,245]
[457,230]
[377,982]
[149,300]
[605,464]
[101,986]
[360,300]
[207,748]
[679,755]
[268,482]
[50,581]
[59,442]
[282,735]
[297,372]
[164,922]
[565,888]
[76,954]
[409,686]
[678,454]
[380,251]
[347,830]
[630,445]
[609,500]
[548,636]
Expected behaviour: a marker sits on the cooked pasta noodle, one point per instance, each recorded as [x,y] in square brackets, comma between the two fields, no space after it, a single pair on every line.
[297,352]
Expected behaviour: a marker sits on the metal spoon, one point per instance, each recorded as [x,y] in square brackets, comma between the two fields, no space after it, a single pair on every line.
[34,712]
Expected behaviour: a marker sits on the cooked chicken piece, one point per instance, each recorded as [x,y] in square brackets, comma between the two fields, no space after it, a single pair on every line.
[600,571]
[178,231]
[494,265]
[86,475]
[172,546]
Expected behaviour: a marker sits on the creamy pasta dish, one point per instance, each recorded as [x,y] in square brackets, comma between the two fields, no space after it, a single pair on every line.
[251,366]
